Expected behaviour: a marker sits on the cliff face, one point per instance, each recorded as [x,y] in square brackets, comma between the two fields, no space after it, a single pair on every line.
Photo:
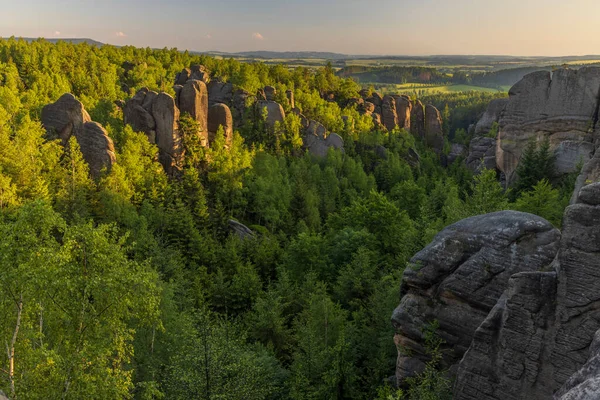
[518,303]
[561,106]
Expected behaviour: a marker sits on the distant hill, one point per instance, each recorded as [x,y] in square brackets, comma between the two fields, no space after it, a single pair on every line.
[91,42]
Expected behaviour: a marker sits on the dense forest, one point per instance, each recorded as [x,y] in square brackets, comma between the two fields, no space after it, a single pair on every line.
[132,285]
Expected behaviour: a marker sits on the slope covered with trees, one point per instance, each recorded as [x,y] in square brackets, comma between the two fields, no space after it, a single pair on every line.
[133,286]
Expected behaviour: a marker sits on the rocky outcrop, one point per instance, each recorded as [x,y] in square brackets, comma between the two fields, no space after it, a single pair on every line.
[139,117]
[458,278]
[389,118]
[168,136]
[482,154]
[417,119]
[434,134]
[219,92]
[274,113]
[182,77]
[220,115]
[240,230]
[457,150]
[403,110]
[561,107]
[290,97]
[318,141]
[96,147]
[66,118]
[492,115]
[199,73]
[193,100]
[541,334]
[242,100]
[270,93]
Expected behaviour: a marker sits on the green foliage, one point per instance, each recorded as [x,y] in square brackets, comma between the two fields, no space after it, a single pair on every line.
[542,200]
[536,163]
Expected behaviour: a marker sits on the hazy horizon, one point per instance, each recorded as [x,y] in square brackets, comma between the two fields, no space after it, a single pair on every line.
[393,28]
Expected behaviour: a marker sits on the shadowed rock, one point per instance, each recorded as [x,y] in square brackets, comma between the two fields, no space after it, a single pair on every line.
[482,154]
[318,141]
[274,112]
[270,93]
[140,118]
[434,134]
[403,110]
[417,119]
[290,96]
[459,277]
[389,118]
[220,115]
[96,147]
[183,76]
[64,118]
[194,101]
[219,92]
[492,115]
[168,136]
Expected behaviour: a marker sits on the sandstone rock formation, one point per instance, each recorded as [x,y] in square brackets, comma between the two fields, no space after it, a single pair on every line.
[458,278]
[270,93]
[241,101]
[220,115]
[456,150]
[491,115]
[290,96]
[540,335]
[585,383]
[140,118]
[64,118]
[318,141]
[183,76]
[434,134]
[239,229]
[200,73]
[219,92]
[193,100]
[67,117]
[417,119]
[168,136]
[389,118]
[96,147]
[403,110]
[274,112]
[482,154]
[562,107]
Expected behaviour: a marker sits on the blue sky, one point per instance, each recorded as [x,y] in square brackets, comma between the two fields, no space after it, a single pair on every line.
[415,27]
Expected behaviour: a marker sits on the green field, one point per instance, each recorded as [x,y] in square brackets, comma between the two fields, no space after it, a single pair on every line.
[430,89]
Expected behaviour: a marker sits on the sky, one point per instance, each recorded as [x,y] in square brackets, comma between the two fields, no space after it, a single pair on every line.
[376,27]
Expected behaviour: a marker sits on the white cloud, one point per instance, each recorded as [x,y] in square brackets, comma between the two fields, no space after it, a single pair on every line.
[208,36]
[56,33]
[258,36]
[120,34]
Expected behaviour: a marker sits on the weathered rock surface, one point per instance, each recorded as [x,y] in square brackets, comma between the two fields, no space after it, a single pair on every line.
[417,119]
[241,101]
[290,96]
[67,117]
[482,154]
[492,115]
[459,277]
[456,150]
[270,93]
[219,92]
[585,383]
[389,118]
[140,118]
[434,134]
[318,141]
[64,118]
[590,173]
[193,100]
[403,110]
[239,229]
[199,73]
[183,76]
[96,147]
[542,334]
[168,136]
[220,115]
[274,112]
[562,107]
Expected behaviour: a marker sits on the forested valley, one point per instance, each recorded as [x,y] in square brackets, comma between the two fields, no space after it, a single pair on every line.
[133,284]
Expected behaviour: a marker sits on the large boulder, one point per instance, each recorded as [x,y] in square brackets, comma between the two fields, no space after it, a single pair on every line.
[168,136]
[318,141]
[434,133]
[490,116]
[403,110]
[389,118]
[459,277]
[138,114]
[542,334]
[64,118]
[193,100]
[182,77]
[290,96]
[219,115]
[561,107]
[417,119]
[199,73]
[242,100]
[482,154]
[274,112]
[96,147]
[219,92]
[270,93]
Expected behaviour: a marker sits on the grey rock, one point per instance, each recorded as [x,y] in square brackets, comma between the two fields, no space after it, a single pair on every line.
[492,115]
[589,174]
[459,277]
[456,150]
[560,107]
[270,93]
[64,118]
[139,118]
[220,92]
[389,118]
[318,141]
[417,119]
[193,100]
[183,76]
[290,96]
[241,230]
[199,73]
[585,383]
[434,134]
[403,110]
[96,147]
[220,115]
[275,112]
[242,100]
[482,154]
[168,136]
